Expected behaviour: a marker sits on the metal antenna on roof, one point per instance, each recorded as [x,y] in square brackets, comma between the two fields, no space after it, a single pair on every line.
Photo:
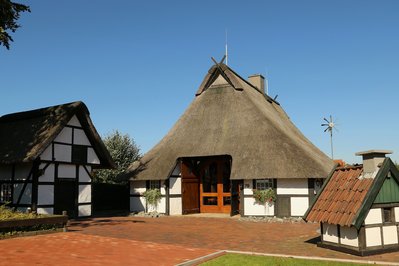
[330,125]
[226,53]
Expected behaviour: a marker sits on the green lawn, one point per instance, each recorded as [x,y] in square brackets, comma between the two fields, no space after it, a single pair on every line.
[240,260]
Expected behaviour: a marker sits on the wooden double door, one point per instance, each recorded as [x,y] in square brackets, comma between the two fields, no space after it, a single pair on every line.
[206,185]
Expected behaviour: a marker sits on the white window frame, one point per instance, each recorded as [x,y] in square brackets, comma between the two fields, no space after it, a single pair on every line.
[263,184]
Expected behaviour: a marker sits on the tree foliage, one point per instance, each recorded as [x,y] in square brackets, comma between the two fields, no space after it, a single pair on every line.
[9,14]
[123,151]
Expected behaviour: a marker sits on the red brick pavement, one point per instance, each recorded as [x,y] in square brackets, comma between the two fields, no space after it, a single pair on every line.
[164,241]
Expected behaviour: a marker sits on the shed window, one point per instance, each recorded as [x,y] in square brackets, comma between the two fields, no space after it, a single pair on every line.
[388,215]
[155,184]
[263,184]
[5,193]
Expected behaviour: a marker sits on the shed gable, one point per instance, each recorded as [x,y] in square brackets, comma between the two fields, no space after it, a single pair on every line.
[389,192]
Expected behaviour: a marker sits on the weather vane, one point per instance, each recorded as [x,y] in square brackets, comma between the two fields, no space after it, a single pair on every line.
[330,125]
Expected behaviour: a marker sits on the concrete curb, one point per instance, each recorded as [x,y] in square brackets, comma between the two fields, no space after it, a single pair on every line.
[223,252]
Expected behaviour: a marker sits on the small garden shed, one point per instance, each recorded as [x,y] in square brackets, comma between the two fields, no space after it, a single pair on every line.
[46,159]
[358,206]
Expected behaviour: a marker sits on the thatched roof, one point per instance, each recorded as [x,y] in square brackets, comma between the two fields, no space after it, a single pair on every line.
[229,116]
[25,135]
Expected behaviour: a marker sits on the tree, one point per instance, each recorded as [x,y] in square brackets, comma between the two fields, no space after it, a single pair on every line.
[124,151]
[9,14]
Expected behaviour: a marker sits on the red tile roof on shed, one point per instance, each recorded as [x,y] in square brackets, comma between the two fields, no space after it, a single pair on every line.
[341,198]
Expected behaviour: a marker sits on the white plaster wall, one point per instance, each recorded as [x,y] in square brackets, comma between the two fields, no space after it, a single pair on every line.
[84,210]
[176,171]
[5,172]
[80,138]
[175,185]
[62,153]
[27,195]
[175,205]
[349,236]
[396,214]
[248,187]
[163,190]
[330,233]
[92,156]
[83,175]
[65,135]
[137,204]
[48,175]
[161,208]
[84,193]
[45,195]
[22,171]
[45,210]
[390,235]
[292,186]
[47,154]
[373,237]
[137,187]
[373,217]
[74,122]
[253,208]
[299,205]
[67,171]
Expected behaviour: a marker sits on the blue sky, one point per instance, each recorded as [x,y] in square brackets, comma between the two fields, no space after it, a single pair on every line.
[137,64]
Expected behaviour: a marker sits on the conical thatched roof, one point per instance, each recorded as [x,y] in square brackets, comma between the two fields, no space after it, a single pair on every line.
[229,116]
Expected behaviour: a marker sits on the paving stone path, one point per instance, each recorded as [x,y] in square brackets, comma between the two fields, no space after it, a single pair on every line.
[165,241]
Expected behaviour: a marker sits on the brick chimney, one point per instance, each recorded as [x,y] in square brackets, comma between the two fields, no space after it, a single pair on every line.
[372,158]
[258,81]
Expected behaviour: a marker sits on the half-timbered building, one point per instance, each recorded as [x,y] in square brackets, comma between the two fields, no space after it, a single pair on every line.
[358,206]
[232,139]
[47,157]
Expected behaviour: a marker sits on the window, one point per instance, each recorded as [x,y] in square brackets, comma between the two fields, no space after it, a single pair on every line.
[5,193]
[155,184]
[263,184]
[79,154]
[387,215]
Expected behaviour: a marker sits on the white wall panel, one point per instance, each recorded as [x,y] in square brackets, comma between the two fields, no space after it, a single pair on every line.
[45,210]
[84,210]
[84,193]
[80,138]
[390,235]
[373,237]
[26,196]
[67,171]
[330,233]
[22,171]
[62,153]
[48,175]
[47,154]
[92,156]
[292,186]
[45,195]
[299,205]
[175,205]
[163,190]
[5,172]
[175,185]
[373,217]
[255,209]
[74,122]
[83,175]
[349,236]
[137,204]
[396,214]
[65,135]
[161,207]
[137,187]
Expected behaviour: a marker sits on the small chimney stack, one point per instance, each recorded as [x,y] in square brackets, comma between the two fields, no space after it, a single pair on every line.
[372,158]
[258,81]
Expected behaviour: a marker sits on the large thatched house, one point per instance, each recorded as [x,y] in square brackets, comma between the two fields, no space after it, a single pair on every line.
[358,206]
[232,139]
[46,159]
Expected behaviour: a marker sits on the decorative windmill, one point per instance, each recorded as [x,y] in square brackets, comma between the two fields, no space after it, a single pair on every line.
[330,125]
